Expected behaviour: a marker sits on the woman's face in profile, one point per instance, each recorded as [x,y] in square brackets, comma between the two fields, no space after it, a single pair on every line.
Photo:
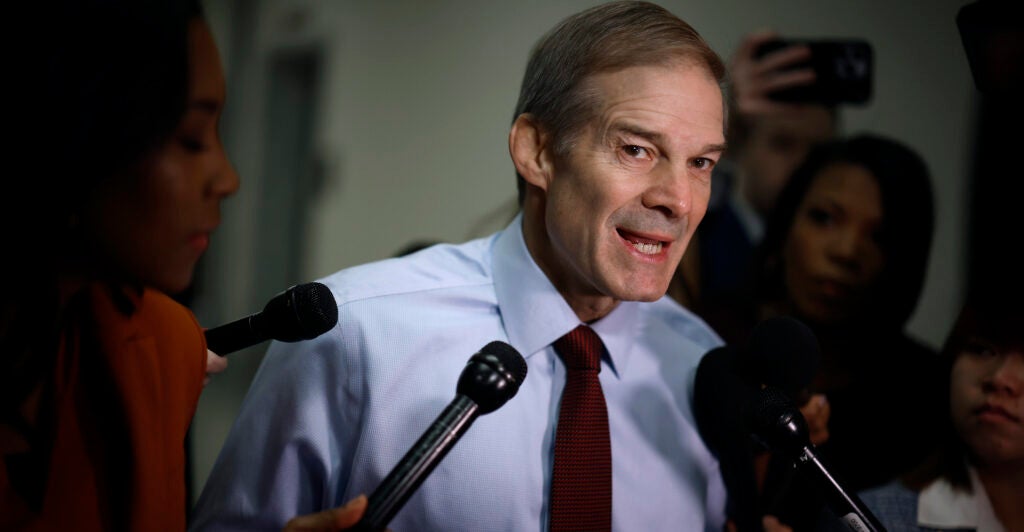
[154,221]
[832,254]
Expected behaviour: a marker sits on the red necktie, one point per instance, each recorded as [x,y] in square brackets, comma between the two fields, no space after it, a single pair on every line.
[581,487]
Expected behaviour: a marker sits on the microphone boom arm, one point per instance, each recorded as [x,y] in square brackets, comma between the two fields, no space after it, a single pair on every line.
[846,505]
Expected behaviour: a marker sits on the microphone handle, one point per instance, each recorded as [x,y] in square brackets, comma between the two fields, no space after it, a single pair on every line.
[417,464]
[236,335]
[846,506]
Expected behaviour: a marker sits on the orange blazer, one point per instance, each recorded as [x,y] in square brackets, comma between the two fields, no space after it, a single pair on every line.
[121,410]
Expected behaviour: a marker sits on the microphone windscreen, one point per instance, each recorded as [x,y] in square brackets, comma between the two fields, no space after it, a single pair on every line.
[782,352]
[775,419]
[302,312]
[508,357]
[719,395]
[492,376]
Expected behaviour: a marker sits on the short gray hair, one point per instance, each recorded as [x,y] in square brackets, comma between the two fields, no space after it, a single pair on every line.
[605,38]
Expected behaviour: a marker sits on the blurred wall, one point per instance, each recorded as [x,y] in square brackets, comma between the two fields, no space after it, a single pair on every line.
[409,104]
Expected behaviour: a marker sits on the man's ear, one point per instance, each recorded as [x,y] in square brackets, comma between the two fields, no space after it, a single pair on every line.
[531,154]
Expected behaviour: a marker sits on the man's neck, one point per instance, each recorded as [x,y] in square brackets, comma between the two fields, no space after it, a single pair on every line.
[589,307]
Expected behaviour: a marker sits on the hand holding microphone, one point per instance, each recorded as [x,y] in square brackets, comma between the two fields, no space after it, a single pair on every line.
[214,365]
[301,312]
[782,352]
[330,520]
[776,421]
[816,412]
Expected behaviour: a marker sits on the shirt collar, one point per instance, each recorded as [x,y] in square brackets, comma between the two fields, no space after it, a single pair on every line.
[535,314]
[942,505]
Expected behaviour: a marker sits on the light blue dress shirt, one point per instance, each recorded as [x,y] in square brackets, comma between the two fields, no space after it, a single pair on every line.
[327,419]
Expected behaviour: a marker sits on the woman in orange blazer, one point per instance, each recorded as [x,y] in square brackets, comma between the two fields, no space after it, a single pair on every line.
[100,371]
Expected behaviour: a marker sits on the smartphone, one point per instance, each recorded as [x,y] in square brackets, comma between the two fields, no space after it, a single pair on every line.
[843,71]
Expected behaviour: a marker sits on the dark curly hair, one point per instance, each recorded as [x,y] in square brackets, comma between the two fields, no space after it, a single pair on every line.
[907,221]
[106,83]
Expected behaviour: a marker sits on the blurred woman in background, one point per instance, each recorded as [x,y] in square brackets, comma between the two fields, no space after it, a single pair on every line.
[100,371]
[845,251]
[975,479]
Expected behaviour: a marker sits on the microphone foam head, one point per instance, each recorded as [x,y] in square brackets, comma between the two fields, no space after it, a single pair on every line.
[492,376]
[719,396]
[301,312]
[782,353]
[777,423]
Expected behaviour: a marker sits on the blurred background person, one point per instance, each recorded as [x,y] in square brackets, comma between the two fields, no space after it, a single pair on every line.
[975,478]
[768,139]
[100,371]
[845,252]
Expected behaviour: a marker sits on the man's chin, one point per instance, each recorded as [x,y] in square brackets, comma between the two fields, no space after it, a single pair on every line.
[642,294]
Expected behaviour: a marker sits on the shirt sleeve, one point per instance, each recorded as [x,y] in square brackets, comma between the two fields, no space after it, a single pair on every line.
[716,498]
[289,450]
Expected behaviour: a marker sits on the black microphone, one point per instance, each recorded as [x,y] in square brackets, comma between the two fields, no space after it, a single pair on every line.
[490,378]
[301,312]
[778,423]
[719,397]
[781,352]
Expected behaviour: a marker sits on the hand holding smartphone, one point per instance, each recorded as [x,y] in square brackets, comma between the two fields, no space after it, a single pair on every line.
[841,70]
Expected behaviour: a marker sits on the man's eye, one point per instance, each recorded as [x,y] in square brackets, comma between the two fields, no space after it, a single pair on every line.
[703,163]
[636,152]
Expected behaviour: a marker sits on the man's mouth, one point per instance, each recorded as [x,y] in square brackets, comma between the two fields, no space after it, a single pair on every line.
[643,244]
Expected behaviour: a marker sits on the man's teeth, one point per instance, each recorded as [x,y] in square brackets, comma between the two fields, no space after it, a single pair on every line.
[647,249]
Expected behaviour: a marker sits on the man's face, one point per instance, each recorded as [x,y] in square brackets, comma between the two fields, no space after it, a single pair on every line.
[777,145]
[622,204]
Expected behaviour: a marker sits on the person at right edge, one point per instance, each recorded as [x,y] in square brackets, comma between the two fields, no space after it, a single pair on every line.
[974,479]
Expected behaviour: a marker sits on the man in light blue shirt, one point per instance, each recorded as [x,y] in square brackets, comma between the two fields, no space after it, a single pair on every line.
[617,129]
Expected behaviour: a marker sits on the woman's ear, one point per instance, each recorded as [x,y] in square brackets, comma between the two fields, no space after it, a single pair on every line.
[531,154]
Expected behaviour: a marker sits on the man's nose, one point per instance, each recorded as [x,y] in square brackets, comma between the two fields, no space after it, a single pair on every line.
[670,192]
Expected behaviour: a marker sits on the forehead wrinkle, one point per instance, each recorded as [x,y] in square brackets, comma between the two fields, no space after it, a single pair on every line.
[632,129]
[655,137]
[616,94]
[621,104]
